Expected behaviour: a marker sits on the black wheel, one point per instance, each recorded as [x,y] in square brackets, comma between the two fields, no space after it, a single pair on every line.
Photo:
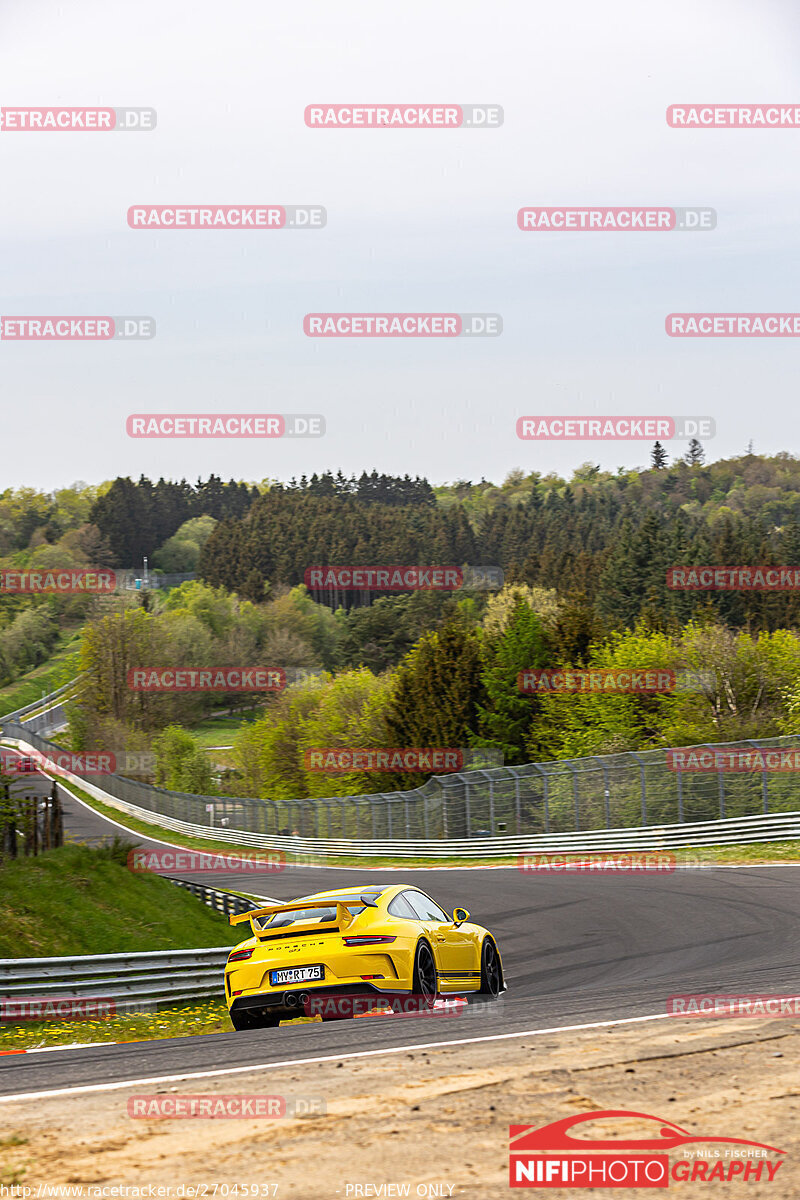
[491,977]
[425,981]
[252,1018]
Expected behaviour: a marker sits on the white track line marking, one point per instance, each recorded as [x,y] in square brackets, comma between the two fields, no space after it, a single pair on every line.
[66,1046]
[295,1062]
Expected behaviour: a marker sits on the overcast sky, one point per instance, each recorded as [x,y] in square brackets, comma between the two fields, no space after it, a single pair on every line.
[418,221]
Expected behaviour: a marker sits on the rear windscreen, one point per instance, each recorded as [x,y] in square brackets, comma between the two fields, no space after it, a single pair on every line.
[318,916]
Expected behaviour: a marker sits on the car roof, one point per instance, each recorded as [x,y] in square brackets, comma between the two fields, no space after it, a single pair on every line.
[375,889]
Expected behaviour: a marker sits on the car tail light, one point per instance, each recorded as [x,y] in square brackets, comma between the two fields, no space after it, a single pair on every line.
[373,976]
[238,955]
[368,939]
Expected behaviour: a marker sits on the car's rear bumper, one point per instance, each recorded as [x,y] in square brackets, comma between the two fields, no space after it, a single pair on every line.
[291,1002]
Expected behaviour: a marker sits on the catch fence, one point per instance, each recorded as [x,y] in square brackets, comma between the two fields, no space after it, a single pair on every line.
[634,790]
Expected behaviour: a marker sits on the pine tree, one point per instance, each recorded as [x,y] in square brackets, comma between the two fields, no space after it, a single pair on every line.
[438,690]
[695,456]
[658,457]
[505,718]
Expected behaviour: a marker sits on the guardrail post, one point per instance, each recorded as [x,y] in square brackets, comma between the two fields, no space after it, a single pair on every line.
[491,805]
[721,775]
[408,819]
[545,796]
[680,794]
[606,792]
[643,784]
[388,814]
[467,813]
[517,803]
[764,787]
[575,797]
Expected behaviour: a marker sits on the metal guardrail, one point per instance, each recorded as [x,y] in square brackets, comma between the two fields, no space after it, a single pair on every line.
[145,979]
[226,903]
[738,831]
[48,721]
[624,801]
[127,979]
[42,703]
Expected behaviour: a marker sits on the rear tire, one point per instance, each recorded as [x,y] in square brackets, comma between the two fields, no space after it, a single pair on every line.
[425,980]
[491,971]
[252,1019]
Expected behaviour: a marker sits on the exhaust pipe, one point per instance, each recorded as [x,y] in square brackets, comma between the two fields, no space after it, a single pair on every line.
[303,999]
[290,999]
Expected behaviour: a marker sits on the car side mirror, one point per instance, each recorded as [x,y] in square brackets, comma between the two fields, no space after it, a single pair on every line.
[460,915]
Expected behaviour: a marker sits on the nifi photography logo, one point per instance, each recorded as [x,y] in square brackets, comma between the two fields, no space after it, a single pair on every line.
[557,1156]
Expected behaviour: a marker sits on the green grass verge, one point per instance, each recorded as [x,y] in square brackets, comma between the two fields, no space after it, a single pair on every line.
[183,1020]
[757,852]
[47,677]
[84,900]
[221,731]
[198,1016]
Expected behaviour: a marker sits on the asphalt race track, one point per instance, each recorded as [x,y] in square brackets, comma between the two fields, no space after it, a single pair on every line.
[576,949]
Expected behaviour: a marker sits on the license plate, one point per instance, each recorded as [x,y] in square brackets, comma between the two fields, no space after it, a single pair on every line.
[295,975]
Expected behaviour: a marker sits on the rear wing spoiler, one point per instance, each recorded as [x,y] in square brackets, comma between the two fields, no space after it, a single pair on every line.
[343,916]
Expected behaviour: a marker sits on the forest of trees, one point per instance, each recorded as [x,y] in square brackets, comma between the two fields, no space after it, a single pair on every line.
[286,532]
[585,562]
[604,540]
[135,519]
[432,672]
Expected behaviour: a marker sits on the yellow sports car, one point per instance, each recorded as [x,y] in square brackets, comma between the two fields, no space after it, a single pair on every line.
[358,942]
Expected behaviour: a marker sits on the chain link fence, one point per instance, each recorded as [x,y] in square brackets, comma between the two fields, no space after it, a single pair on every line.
[617,791]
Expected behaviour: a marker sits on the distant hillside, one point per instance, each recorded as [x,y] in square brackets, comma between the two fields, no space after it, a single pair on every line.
[599,536]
